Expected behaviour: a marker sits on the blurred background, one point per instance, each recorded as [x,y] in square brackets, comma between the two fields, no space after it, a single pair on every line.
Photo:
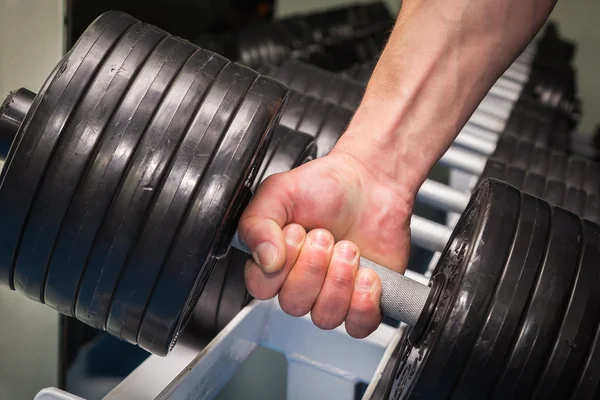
[38,348]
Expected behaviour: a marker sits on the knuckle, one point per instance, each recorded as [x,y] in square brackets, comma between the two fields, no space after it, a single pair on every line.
[291,307]
[325,321]
[312,266]
[341,280]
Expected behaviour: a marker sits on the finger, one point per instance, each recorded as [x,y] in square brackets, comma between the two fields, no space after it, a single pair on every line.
[333,302]
[303,283]
[261,223]
[263,286]
[364,315]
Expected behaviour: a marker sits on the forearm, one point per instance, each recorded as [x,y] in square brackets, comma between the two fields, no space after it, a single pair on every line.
[441,59]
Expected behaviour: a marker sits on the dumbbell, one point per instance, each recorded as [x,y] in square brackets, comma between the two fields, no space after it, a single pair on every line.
[526,118]
[518,315]
[353,34]
[126,177]
[225,294]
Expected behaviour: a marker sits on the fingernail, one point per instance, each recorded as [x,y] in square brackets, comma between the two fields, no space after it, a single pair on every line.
[321,240]
[345,252]
[265,256]
[364,282]
[294,235]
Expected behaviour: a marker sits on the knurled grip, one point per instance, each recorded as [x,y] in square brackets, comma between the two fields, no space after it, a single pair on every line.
[402,298]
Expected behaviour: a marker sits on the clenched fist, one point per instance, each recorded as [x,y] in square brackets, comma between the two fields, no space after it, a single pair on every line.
[305,228]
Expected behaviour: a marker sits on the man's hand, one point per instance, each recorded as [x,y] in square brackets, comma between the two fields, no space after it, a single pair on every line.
[344,207]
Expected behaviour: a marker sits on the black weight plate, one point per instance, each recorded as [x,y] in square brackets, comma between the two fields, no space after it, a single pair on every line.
[591,183]
[122,222]
[534,184]
[204,317]
[352,94]
[493,169]
[508,304]
[234,296]
[39,133]
[575,201]
[472,262]
[545,310]
[557,166]
[514,176]
[214,208]
[67,164]
[287,150]
[592,208]
[300,80]
[128,127]
[335,125]
[158,215]
[314,117]
[522,156]
[555,192]
[295,110]
[578,325]
[576,172]
[505,149]
[319,81]
[334,93]
[539,161]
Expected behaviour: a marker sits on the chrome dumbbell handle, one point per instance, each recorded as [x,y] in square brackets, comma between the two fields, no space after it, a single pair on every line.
[402,298]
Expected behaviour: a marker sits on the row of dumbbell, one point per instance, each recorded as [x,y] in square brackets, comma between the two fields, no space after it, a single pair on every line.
[324,121]
[333,38]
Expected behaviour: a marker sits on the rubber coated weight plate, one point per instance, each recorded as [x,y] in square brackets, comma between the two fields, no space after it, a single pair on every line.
[591,182]
[145,170]
[505,149]
[575,172]
[522,155]
[557,166]
[158,227]
[234,296]
[592,208]
[335,125]
[147,96]
[67,164]
[508,303]
[314,117]
[472,262]
[575,201]
[352,94]
[204,316]
[40,132]
[514,176]
[295,110]
[493,169]
[212,217]
[534,184]
[587,386]
[555,192]
[539,161]
[545,310]
[287,150]
[298,80]
[575,334]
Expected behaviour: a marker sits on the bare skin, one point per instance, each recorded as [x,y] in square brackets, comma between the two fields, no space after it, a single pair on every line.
[306,226]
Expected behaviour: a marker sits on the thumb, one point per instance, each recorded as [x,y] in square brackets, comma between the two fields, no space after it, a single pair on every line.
[261,225]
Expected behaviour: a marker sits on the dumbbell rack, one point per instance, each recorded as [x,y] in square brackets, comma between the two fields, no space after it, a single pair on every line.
[318,361]
[204,373]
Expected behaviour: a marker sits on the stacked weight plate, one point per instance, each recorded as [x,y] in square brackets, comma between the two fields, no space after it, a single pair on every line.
[124,182]
[334,38]
[225,293]
[519,314]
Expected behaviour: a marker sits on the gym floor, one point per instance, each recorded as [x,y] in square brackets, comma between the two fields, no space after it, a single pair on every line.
[31,41]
